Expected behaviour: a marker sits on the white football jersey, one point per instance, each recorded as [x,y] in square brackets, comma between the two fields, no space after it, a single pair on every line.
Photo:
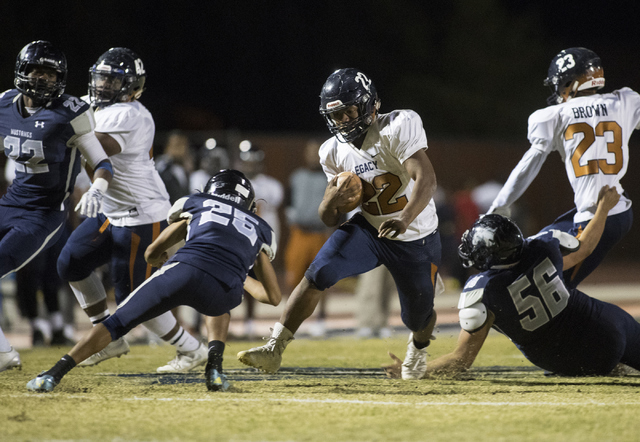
[136,194]
[387,186]
[269,196]
[591,134]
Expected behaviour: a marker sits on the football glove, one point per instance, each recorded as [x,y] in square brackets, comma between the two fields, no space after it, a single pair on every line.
[91,202]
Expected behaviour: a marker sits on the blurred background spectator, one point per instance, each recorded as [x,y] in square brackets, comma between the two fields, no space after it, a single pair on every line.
[269,197]
[175,165]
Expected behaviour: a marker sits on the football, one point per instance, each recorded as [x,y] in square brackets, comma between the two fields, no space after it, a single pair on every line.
[354,182]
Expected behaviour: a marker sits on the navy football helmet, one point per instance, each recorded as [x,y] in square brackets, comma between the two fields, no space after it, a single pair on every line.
[40,53]
[232,185]
[342,90]
[571,71]
[493,240]
[117,75]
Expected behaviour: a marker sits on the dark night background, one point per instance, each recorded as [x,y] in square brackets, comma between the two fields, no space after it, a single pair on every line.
[473,69]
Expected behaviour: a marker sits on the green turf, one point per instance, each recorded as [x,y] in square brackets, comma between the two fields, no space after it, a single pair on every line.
[503,399]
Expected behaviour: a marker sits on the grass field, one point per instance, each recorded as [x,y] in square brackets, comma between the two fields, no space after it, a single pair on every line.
[503,398]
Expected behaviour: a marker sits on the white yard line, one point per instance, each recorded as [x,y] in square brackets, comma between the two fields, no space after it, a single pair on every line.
[227,398]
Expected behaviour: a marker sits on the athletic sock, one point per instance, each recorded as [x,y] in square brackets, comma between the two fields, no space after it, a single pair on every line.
[216,350]
[421,345]
[100,317]
[62,367]
[184,342]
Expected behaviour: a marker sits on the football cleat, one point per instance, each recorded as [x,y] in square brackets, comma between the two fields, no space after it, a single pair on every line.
[10,359]
[216,380]
[43,383]
[186,361]
[268,357]
[115,349]
[415,363]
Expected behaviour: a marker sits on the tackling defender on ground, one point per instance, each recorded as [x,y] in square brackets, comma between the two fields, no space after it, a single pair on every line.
[521,293]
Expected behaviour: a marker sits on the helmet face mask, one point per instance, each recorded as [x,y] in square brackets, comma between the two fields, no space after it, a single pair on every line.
[350,93]
[42,57]
[232,185]
[118,76]
[492,241]
[571,71]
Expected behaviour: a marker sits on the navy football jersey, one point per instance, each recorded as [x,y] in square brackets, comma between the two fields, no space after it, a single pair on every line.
[223,239]
[532,305]
[47,163]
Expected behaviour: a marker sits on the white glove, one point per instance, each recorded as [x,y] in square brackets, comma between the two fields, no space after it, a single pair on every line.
[91,202]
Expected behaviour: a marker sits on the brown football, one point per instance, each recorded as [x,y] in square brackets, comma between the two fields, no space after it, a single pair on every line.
[355,181]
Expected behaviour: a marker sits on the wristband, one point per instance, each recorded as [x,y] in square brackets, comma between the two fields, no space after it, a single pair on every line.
[106,165]
[100,184]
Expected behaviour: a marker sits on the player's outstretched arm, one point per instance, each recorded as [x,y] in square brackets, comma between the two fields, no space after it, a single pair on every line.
[156,254]
[458,361]
[607,199]
[267,289]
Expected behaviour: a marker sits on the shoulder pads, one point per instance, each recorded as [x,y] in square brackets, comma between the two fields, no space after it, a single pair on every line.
[473,317]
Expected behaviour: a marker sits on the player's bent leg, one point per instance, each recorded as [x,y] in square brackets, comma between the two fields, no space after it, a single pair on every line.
[114,349]
[217,332]
[95,341]
[300,306]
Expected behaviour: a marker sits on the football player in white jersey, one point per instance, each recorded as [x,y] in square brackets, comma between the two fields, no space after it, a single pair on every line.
[591,133]
[398,224]
[135,207]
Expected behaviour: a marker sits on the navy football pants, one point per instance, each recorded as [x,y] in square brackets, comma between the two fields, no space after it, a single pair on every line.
[615,228]
[354,248]
[97,242]
[175,284]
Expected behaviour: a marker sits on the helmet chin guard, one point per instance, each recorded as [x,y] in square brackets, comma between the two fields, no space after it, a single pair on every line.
[40,53]
[118,75]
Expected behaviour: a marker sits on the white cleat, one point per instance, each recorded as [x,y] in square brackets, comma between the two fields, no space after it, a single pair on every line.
[186,361]
[268,357]
[115,349]
[415,362]
[10,359]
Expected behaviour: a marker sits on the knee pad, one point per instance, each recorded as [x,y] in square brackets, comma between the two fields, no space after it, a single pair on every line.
[70,269]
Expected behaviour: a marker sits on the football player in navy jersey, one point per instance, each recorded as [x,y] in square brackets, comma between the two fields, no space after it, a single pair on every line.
[224,238]
[521,293]
[44,131]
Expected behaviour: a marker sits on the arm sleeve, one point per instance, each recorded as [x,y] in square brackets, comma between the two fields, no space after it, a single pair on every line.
[91,149]
[520,178]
